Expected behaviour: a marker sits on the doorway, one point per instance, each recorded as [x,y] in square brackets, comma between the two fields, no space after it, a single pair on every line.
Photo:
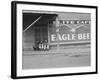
[41,33]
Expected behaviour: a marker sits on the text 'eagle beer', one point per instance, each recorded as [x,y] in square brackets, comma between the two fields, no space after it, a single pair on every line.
[70,31]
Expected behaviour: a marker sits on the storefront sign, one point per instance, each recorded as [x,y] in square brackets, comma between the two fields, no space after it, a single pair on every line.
[69,31]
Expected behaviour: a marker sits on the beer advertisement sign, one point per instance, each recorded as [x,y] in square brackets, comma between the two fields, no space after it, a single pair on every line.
[67,31]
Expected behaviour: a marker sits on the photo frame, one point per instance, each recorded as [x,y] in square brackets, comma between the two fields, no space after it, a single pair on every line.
[49,39]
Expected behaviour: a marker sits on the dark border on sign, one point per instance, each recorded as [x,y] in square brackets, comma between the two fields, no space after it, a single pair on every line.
[14,39]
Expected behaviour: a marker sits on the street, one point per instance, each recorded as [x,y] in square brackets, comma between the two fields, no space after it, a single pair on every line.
[71,57]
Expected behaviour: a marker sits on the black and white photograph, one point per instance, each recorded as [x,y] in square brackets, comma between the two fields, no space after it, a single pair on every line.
[53,39]
[59,39]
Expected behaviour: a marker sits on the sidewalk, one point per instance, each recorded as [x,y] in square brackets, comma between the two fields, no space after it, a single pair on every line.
[69,51]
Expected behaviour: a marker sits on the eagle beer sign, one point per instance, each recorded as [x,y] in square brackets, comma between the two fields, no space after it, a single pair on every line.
[69,31]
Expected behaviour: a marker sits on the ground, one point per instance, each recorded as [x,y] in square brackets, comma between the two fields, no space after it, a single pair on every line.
[66,57]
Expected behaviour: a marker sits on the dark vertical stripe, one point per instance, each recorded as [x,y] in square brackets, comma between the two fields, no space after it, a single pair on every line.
[13,40]
[96,39]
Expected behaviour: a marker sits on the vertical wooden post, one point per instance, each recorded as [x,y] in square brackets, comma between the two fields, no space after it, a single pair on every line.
[57,32]
[48,35]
